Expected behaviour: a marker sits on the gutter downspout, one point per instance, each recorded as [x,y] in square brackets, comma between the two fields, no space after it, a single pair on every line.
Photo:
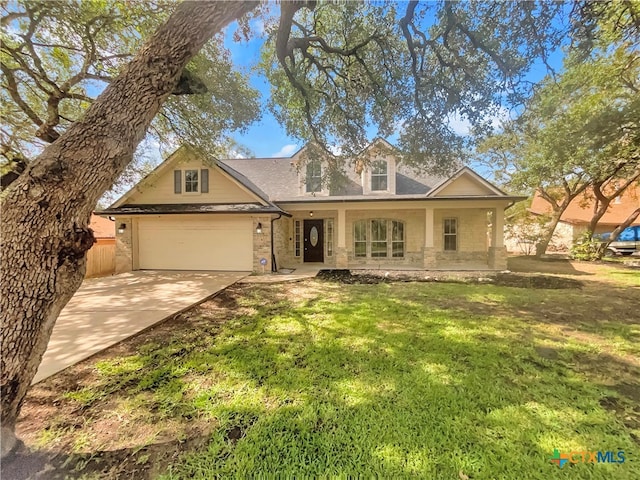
[274,267]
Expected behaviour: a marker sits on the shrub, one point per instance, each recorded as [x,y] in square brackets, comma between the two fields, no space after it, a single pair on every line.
[587,248]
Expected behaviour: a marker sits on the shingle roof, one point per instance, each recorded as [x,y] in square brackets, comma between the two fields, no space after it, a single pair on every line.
[580,210]
[192,208]
[102,227]
[278,178]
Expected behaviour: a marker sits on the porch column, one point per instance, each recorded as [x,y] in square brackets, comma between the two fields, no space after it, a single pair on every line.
[497,250]
[429,248]
[342,260]
[497,233]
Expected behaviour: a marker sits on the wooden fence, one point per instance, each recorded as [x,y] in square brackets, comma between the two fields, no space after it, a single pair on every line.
[101,258]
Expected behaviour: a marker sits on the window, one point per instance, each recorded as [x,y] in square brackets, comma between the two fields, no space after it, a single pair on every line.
[297,238]
[379,175]
[450,234]
[314,176]
[397,239]
[360,238]
[378,238]
[329,237]
[191,181]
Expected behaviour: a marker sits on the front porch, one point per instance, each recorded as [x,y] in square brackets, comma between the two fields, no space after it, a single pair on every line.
[447,236]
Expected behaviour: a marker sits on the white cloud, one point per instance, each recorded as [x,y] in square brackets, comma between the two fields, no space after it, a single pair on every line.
[258,27]
[460,125]
[286,151]
[335,149]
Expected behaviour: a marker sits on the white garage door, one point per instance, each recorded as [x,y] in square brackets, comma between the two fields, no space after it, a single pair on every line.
[200,243]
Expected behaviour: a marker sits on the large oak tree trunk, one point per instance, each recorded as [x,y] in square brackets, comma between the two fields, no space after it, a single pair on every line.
[45,213]
[550,229]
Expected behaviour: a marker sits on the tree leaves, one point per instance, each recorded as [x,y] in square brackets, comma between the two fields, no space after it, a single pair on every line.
[58,56]
[341,74]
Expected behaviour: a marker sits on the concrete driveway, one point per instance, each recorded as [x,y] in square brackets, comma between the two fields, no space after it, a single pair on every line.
[105,311]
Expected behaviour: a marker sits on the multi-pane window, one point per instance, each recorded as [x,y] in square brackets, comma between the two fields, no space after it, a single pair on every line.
[378,238]
[450,229]
[397,239]
[360,238]
[329,237]
[191,181]
[297,238]
[378,175]
[314,176]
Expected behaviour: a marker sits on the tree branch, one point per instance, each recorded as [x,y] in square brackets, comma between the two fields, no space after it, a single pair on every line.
[12,88]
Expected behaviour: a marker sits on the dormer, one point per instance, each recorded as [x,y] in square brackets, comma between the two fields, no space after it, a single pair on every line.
[312,181]
[379,176]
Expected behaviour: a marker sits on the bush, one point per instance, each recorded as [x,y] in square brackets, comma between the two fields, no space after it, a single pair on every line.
[587,248]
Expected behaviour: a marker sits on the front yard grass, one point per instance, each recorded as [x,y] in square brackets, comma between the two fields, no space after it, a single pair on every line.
[393,380]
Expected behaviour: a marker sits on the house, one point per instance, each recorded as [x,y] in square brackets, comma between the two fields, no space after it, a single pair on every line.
[574,221]
[263,214]
[101,256]
[104,230]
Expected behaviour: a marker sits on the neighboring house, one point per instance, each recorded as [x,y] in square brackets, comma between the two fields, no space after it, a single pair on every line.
[101,257]
[575,219]
[104,230]
[243,214]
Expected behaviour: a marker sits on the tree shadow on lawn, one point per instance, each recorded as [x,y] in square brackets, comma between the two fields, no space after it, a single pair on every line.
[370,385]
[556,266]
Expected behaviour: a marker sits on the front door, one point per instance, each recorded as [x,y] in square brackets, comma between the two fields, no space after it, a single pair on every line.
[313,241]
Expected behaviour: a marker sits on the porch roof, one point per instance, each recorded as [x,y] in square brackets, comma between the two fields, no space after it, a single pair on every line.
[397,198]
[181,208]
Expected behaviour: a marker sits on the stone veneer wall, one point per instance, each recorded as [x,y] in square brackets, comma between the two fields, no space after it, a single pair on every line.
[282,232]
[284,242]
[262,245]
[498,258]
[124,245]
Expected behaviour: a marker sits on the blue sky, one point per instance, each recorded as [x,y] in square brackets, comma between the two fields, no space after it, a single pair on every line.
[264,138]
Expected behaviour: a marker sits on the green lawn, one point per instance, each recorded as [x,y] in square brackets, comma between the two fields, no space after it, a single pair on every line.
[429,380]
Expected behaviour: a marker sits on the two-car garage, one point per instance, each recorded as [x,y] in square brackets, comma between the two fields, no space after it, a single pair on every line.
[195,242]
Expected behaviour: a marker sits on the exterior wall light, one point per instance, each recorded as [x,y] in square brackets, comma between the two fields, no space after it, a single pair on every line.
[311,214]
[122,228]
[259,228]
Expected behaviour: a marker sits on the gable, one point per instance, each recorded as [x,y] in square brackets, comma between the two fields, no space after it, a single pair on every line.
[159,186]
[464,186]
[465,183]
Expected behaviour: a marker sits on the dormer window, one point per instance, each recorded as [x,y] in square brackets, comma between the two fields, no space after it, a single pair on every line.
[314,176]
[379,176]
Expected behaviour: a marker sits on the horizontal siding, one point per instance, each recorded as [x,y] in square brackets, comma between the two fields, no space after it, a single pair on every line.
[222,189]
[464,186]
